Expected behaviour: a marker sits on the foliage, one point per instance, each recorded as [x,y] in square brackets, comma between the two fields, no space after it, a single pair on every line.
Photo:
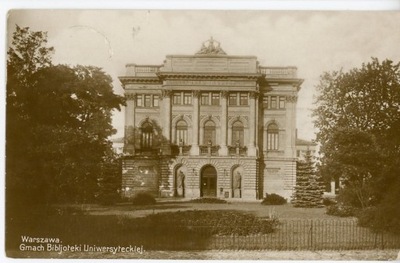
[218,222]
[341,210]
[326,201]
[358,118]
[143,199]
[208,200]
[58,124]
[309,187]
[273,199]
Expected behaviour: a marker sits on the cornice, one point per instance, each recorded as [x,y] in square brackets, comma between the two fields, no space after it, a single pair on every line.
[208,75]
[129,80]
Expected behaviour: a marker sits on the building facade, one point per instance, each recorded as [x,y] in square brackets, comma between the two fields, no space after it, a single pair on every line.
[210,125]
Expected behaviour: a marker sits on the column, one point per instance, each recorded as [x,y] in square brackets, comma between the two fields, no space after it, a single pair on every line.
[129,141]
[252,150]
[223,151]
[290,127]
[195,150]
[166,120]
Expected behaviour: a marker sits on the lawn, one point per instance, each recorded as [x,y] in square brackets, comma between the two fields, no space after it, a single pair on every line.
[286,211]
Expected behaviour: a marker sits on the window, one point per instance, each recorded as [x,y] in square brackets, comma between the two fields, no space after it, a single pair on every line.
[187,98]
[205,100]
[237,133]
[281,102]
[147,136]
[273,102]
[244,99]
[139,102]
[155,101]
[209,132]
[181,132]
[265,102]
[272,137]
[215,99]
[147,100]
[176,98]
[232,99]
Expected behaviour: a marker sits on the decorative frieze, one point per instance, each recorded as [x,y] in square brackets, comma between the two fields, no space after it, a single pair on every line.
[291,98]
[130,96]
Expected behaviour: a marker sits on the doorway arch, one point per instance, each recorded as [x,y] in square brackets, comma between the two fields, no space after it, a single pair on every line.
[208,182]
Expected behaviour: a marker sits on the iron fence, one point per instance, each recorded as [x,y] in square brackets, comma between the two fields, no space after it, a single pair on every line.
[289,235]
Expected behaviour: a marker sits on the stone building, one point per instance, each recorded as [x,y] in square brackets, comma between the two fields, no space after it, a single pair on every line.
[210,125]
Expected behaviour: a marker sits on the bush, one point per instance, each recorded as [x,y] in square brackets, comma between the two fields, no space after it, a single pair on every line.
[328,201]
[208,200]
[273,199]
[143,199]
[380,219]
[341,210]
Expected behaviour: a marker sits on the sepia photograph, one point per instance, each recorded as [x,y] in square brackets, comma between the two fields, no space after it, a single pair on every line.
[202,134]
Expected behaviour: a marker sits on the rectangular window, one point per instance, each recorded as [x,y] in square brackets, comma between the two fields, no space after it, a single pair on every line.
[181,136]
[147,100]
[205,100]
[244,99]
[232,99]
[209,136]
[176,98]
[155,100]
[187,98]
[265,102]
[139,102]
[281,102]
[215,99]
[273,102]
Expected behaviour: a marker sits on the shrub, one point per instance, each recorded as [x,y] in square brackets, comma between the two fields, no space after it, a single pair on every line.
[328,201]
[273,199]
[143,199]
[208,200]
[341,210]
[378,219]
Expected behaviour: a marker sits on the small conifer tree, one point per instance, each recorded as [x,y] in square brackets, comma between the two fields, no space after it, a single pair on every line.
[309,187]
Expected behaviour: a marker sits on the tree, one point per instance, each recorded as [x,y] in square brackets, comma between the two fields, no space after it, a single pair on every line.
[358,118]
[309,187]
[58,124]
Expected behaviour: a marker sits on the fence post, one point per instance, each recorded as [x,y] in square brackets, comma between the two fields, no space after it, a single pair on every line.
[311,235]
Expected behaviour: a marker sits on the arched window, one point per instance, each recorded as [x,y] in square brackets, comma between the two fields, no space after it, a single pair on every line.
[209,132]
[147,136]
[272,137]
[181,132]
[237,133]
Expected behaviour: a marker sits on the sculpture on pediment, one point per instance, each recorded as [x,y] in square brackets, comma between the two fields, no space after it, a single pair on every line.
[211,48]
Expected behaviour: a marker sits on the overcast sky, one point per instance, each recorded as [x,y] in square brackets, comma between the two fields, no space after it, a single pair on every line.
[314,42]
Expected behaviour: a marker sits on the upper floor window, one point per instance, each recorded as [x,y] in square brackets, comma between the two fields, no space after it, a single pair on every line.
[181,132]
[209,133]
[147,100]
[274,102]
[182,98]
[205,99]
[237,133]
[272,137]
[238,98]
[214,98]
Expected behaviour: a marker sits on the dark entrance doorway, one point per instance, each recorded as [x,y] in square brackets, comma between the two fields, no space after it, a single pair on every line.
[208,182]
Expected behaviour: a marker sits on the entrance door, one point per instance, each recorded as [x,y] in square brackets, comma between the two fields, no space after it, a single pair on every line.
[208,182]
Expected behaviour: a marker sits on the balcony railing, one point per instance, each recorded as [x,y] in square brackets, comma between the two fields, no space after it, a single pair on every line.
[142,70]
[147,151]
[180,149]
[279,72]
[209,150]
[237,150]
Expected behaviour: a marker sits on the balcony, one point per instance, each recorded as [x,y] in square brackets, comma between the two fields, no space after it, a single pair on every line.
[279,72]
[237,150]
[207,150]
[147,151]
[180,149]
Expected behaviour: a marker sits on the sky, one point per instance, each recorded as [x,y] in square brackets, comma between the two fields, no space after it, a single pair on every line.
[314,42]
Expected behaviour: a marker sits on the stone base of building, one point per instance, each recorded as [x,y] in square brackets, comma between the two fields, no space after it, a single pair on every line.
[201,176]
